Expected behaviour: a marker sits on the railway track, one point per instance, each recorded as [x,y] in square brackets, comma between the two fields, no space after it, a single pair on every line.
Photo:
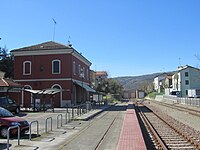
[98,128]
[105,134]
[180,108]
[166,132]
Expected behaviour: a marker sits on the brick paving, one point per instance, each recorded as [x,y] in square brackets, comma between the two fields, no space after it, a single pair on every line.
[131,137]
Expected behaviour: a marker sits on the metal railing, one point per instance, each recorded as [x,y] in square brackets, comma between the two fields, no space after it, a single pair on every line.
[59,116]
[182,100]
[8,135]
[69,116]
[37,123]
[49,118]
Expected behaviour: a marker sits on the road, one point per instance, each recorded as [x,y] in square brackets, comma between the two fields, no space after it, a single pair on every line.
[101,133]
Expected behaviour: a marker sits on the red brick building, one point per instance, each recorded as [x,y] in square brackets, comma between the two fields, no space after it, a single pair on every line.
[52,65]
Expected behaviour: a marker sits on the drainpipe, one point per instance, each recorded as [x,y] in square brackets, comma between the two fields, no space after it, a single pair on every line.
[72,84]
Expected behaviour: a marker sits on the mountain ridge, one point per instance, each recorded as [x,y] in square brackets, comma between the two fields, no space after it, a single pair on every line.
[137,82]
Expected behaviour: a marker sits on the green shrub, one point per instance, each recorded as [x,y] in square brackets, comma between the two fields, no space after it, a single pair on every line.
[152,95]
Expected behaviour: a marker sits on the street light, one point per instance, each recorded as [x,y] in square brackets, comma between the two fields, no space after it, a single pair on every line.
[106,91]
[82,76]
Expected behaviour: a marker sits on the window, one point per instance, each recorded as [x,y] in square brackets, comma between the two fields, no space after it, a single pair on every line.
[74,67]
[186,74]
[83,72]
[3,101]
[186,82]
[56,67]
[10,101]
[79,69]
[56,86]
[27,87]
[27,68]
[87,74]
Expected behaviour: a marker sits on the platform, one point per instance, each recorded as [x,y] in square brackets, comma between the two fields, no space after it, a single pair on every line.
[131,137]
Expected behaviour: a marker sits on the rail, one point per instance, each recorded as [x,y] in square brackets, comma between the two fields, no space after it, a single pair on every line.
[59,116]
[175,126]
[160,143]
[37,123]
[8,135]
[49,118]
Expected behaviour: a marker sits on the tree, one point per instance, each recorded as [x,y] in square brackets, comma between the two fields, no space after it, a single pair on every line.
[147,87]
[115,87]
[109,86]
[6,62]
[176,79]
[103,85]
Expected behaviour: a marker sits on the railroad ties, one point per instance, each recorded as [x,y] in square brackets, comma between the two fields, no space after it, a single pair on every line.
[173,134]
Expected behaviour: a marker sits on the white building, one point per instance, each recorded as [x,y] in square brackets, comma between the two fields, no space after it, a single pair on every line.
[186,78]
[158,82]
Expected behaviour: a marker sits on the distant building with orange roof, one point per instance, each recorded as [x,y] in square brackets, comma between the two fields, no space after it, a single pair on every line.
[101,74]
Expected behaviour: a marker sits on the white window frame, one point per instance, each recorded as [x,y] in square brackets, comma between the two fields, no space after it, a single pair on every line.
[87,74]
[79,69]
[60,87]
[26,87]
[74,67]
[56,60]
[83,72]
[24,67]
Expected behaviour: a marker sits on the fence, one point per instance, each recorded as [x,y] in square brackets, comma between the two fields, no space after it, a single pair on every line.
[70,113]
[182,100]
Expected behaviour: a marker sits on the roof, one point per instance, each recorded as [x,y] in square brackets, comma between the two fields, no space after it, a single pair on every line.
[161,74]
[44,46]
[168,77]
[50,91]
[180,68]
[9,83]
[85,86]
[101,73]
[2,74]
[49,47]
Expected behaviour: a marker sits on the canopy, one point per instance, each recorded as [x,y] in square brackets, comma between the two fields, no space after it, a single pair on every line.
[9,83]
[85,86]
[50,91]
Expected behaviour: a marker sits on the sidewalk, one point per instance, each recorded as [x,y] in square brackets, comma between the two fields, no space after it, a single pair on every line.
[54,138]
[91,114]
[131,137]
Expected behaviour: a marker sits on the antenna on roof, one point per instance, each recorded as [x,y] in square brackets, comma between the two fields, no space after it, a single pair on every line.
[179,59]
[69,43]
[54,28]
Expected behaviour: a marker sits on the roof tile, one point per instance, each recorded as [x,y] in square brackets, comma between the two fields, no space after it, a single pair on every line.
[44,46]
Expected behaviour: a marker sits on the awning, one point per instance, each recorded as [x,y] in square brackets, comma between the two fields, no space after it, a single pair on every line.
[9,83]
[85,86]
[50,91]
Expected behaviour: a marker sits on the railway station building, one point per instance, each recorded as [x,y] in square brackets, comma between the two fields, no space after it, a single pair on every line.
[52,65]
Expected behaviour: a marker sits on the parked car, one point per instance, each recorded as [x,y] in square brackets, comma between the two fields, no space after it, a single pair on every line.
[175,93]
[7,119]
[9,104]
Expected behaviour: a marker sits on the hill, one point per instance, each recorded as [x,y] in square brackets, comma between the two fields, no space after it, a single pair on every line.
[136,82]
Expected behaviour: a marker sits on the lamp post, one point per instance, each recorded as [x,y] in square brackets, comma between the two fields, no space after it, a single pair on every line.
[106,91]
[82,75]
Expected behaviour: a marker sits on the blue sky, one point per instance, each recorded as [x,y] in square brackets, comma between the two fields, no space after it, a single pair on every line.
[123,37]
